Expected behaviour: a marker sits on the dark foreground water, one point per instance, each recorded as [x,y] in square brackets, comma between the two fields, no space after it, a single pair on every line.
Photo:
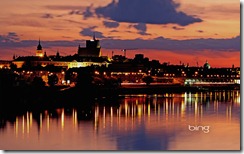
[187,121]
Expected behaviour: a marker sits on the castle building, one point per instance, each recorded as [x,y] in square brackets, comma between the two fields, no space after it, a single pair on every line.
[88,56]
[92,49]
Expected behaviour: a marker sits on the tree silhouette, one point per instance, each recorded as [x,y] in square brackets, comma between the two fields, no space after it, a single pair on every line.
[13,66]
[52,80]
[27,65]
[147,80]
[38,82]
[7,78]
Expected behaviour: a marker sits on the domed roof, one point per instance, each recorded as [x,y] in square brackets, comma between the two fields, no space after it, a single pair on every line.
[206,65]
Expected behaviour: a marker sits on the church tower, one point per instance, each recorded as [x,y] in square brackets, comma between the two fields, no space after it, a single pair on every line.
[92,49]
[39,52]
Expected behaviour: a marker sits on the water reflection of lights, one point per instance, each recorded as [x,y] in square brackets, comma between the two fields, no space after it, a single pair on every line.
[104,117]
[139,112]
[31,119]
[74,117]
[148,110]
[183,109]
[28,123]
[40,121]
[158,110]
[111,116]
[62,119]
[23,124]
[196,110]
[96,117]
[237,97]
[134,110]
[228,112]
[16,126]
[48,123]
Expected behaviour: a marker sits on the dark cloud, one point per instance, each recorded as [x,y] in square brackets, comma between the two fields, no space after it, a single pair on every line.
[47,15]
[114,31]
[73,21]
[90,31]
[146,11]
[141,27]
[177,28]
[66,37]
[128,31]
[45,44]
[11,41]
[110,24]
[191,45]
[64,7]
[75,12]
[87,13]
[10,37]
[200,31]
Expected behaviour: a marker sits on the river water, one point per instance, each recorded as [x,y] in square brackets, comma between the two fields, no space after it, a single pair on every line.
[171,121]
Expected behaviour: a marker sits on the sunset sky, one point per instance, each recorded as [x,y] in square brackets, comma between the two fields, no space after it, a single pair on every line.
[167,30]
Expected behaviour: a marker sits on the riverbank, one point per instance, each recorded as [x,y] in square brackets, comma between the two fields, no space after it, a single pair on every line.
[41,98]
[171,88]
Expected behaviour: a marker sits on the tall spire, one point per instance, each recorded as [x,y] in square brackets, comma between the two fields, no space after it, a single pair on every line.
[39,52]
[57,54]
[94,36]
[39,47]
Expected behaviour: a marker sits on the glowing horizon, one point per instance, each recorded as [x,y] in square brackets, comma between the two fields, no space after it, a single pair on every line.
[185,31]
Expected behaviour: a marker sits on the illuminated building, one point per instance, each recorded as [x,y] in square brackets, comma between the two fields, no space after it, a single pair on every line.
[206,65]
[4,64]
[130,70]
[86,57]
[39,52]
[65,62]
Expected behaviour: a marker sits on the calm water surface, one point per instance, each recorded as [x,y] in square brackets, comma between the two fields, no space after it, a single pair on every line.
[187,121]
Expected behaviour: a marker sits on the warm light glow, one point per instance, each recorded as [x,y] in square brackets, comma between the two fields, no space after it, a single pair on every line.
[111,117]
[23,124]
[27,123]
[139,110]
[31,119]
[16,127]
[62,119]
[126,109]
[96,122]
[133,116]
[148,110]
[48,123]
[104,117]
[228,113]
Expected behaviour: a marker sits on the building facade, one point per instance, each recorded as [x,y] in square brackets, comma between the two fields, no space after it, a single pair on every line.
[92,49]
[88,56]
